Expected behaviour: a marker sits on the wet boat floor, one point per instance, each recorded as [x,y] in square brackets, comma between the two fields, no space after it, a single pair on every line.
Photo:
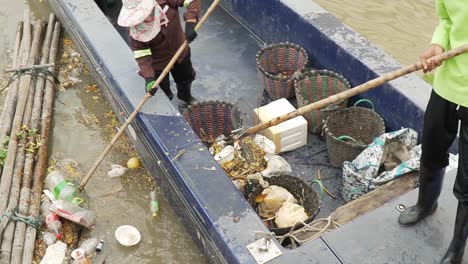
[223,56]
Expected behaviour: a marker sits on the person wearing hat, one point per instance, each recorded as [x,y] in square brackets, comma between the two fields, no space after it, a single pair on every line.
[155,36]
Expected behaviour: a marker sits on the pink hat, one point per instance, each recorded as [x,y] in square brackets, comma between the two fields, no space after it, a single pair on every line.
[143,27]
[134,12]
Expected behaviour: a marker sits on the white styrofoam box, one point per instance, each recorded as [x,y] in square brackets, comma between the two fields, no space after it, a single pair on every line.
[289,135]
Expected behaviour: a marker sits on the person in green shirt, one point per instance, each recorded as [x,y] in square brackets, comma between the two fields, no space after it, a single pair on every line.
[446,108]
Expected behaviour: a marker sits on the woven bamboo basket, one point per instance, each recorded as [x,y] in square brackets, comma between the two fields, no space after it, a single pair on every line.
[349,131]
[210,119]
[315,85]
[277,64]
[303,192]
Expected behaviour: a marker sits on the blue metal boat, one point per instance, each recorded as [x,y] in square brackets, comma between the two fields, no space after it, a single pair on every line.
[217,216]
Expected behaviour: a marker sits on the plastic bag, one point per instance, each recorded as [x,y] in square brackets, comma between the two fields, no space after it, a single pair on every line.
[73,213]
[89,245]
[265,144]
[395,151]
[55,253]
[289,214]
[116,171]
[274,197]
[277,166]
[259,178]
[227,154]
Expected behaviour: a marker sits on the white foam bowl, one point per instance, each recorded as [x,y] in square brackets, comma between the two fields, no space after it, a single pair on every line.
[127,235]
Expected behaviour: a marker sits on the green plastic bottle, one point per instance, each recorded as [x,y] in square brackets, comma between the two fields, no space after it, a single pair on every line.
[154,204]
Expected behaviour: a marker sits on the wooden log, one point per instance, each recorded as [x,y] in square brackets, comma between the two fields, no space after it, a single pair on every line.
[10,100]
[370,201]
[41,163]
[7,172]
[18,241]
[374,199]
[7,228]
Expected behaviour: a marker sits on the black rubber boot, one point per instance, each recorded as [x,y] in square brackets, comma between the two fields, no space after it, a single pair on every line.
[185,95]
[454,254]
[430,186]
[167,90]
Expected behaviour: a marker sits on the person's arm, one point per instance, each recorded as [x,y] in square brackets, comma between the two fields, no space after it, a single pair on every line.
[192,6]
[440,39]
[142,54]
[190,16]
[441,34]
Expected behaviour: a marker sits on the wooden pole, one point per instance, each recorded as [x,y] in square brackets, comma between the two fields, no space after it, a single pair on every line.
[18,240]
[12,95]
[7,227]
[7,173]
[349,93]
[143,101]
[41,163]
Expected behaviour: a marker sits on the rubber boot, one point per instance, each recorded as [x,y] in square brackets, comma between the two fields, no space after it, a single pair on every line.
[167,90]
[454,254]
[430,186]
[185,95]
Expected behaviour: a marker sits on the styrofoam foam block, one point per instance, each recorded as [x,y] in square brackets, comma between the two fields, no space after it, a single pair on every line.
[289,135]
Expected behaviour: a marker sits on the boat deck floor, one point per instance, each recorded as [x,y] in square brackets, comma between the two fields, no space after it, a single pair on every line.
[223,56]
[224,59]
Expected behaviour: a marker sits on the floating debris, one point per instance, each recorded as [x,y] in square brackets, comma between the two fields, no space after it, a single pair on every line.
[133,163]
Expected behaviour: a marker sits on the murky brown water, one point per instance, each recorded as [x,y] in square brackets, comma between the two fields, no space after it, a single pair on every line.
[82,128]
[401,28]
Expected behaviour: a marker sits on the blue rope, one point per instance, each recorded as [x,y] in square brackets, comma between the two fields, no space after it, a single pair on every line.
[29,220]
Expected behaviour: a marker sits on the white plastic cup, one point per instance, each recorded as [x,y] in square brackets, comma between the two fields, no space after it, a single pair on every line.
[127,235]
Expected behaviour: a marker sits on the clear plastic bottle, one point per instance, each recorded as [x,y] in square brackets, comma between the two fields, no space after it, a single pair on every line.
[49,238]
[154,204]
[62,188]
[52,220]
[89,245]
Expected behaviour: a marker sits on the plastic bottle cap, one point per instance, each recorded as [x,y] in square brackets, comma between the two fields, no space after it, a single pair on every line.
[59,236]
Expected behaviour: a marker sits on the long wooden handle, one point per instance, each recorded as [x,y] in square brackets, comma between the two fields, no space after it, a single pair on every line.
[351,92]
[147,96]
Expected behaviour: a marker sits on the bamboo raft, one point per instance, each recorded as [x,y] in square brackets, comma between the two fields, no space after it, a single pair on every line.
[24,130]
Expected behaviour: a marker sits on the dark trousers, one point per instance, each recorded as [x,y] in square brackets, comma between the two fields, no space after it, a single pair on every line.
[182,73]
[441,122]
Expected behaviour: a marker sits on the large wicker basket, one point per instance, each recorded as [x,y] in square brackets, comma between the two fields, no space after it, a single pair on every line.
[349,131]
[210,119]
[303,192]
[276,66]
[315,85]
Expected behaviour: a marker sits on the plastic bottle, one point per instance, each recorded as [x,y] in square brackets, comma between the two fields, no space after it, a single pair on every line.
[49,238]
[99,246]
[52,220]
[154,204]
[62,188]
[89,245]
